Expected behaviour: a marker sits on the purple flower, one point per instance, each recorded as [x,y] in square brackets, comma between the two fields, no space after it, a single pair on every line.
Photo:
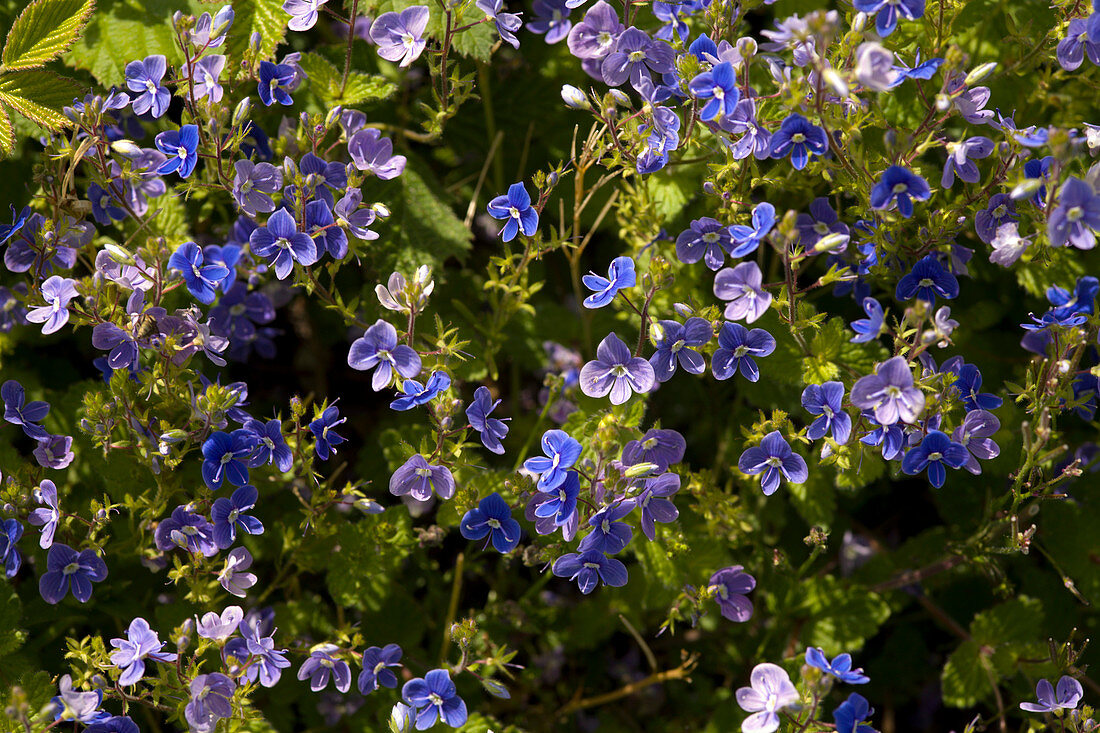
[370,151]
[840,667]
[654,504]
[228,515]
[891,438]
[935,451]
[400,36]
[210,33]
[736,348]
[323,429]
[356,220]
[827,400]
[210,700]
[303,13]
[676,346]
[959,160]
[551,19]
[492,516]
[416,394]
[1073,219]
[560,454]
[558,504]
[144,77]
[747,238]
[186,530]
[82,707]
[275,82]
[589,568]
[634,57]
[517,209]
[614,371]
[890,393]
[771,691]
[282,243]
[57,292]
[620,275]
[141,643]
[10,532]
[773,458]
[225,456]
[491,429]
[596,35]
[741,286]
[1001,210]
[253,185]
[27,415]
[47,517]
[800,139]
[755,139]
[205,72]
[66,568]
[200,277]
[976,435]
[706,239]
[270,661]
[180,148]
[887,12]
[375,662]
[731,587]
[419,479]
[435,697]
[901,185]
[1068,696]
[321,666]
[869,328]
[1072,49]
[851,713]
[233,576]
[378,349]
[821,222]
[927,279]
[113,724]
[320,225]
[719,85]
[220,627]
[609,534]
[506,23]
[663,448]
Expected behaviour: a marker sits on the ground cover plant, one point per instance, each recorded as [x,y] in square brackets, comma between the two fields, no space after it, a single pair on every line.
[577,365]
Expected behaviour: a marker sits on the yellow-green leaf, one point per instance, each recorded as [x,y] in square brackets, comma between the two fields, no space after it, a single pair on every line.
[43,31]
[39,96]
[7,134]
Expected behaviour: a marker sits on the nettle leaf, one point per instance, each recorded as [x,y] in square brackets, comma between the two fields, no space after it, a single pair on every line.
[124,30]
[370,553]
[7,134]
[840,617]
[43,31]
[324,80]
[965,681]
[265,17]
[1018,620]
[39,96]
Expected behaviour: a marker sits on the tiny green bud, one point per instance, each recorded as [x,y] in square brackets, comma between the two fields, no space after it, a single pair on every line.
[980,73]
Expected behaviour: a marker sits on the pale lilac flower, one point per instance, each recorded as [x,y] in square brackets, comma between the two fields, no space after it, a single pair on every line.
[254,184]
[771,691]
[55,452]
[210,700]
[303,13]
[400,36]
[322,666]
[370,151]
[48,516]
[420,479]
[741,286]
[1068,696]
[1008,245]
[141,643]
[57,292]
[206,73]
[890,393]
[219,627]
[732,586]
[616,372]
[976,435]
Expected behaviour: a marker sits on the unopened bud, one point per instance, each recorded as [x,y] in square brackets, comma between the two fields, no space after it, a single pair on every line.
[126,147]
[574,97]
[1026,188]
[254,41]
[381,210]
[835,81]
[831,242]
[980,73]
[119,254]
[641,469]
[243,111]
[333,116]
[859,22]
[656,333]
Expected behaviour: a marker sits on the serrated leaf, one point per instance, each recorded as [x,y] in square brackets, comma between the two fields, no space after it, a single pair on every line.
[840,618]
[43,31]
[1018,620]
[121,31]
[365,88]
[965,681]
[265,17]
[369,554]
[324,79]
[39,96]
[7,133]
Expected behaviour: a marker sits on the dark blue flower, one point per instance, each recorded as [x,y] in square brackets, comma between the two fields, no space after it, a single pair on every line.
[493,517]
[416,394]
[561,452]
[775,459]
[968,381]
[719,86]
[268,444]
[800,139]
[737,346]
[491,429]
[559,503]
[228,515]
[676,344]
[826,401]
[747,238]
[1000,211]
[1081,300]
[113,724]
[26,415]
[935,451]
[181,148]
[840,667]
[851,713]
[731,587]
[10,556]
[706,239]
[282,243]
[46,516]
[654,504]
[145,77]
[887,12]
[66,568]
[434,697]
[902,185]
[517,209]
[226,456]
[589,568]
[619,275]
[187,530]
[609,533]
[375,672]
[201,278]
[323,430]
[891,437]
[927,279]
[869,328]
[275,82]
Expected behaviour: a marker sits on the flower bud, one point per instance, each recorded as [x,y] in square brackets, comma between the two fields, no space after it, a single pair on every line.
[1026,188]
[333,116]
[835,81]
[641,469]
[574,97]
[119,254]
[683,309]
[254,41]
[243,111]
[381,210]
[980,73]
[831,242]
[620,97]
[126,147]
[746,46]
[859,22]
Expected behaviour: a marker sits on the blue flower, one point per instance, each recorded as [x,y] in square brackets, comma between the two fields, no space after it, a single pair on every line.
[492,516]
[589,568]
[662,448]
[282,243]
[144,77]
[378,349]
[902,185]
[181,147]
[886,12]
[141,643]
[705,239]
[719,85]
[24,414]
[48,516]
[419,479]
[435,697]
[275,81]
[927,279]
[800,139]
[506,23]
[869,328]
[561,452]
[66,568]
[270,447]
[517,209]
[327,437]
[228,515]
[1068,696]
[935,451]
[827,400]
[491,429]
[1075,217]
[619,275]
[654,504]
[559,503]
[736,348]
[186,530]
[968,381]
[417,394]
[775,459]
[226,456]
[375,672]
[609,534]
[10,532]
[322,666]
[840,667]
[731,587]
[675,346]
[746,238]
[201,278]
[1081,300]
[851,713]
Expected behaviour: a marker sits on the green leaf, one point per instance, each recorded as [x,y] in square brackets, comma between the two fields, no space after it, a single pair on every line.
[265,17]
[11,610]
[840,618]
[368,553]
[39,96]
[324,79]
[1018,620]
[43,31]
[7,134]
[965,681]
[365,88]
[123,30]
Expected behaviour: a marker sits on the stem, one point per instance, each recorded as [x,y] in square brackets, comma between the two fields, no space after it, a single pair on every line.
[351,40]
[452,607]
[679,673]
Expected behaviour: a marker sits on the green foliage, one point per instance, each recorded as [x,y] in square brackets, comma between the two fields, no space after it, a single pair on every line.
[366,558]
[325,78]
[265,17]
[43,31]
[840,617]
[121,31]
[39,96]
